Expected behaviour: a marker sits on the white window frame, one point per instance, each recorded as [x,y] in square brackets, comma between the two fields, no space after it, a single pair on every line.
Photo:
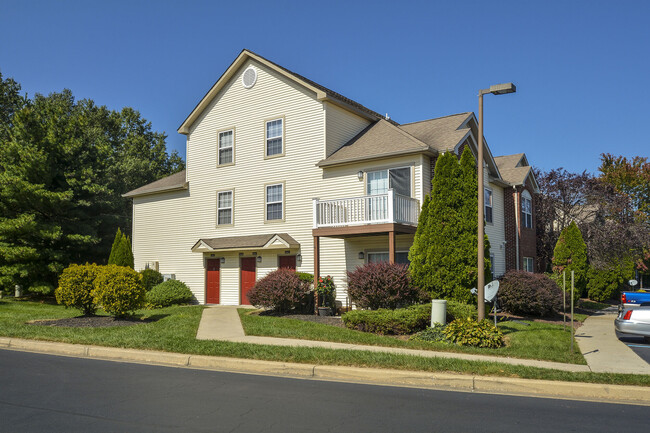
[267,202]
[267,138]
[387,170]
[231,208]
[526,216]
[488,193]
[219,148]
[529,264]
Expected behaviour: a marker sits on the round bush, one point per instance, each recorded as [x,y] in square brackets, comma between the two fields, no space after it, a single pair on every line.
[150,278]
[171,292]
[522,292]
[118,290]
[469,332]
[76,286]
[279,290]
[382,285]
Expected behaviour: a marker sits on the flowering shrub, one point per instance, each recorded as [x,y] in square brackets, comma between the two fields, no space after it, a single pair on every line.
[525,293]
[382,285]
[468,332]
[279,290]
[325,290]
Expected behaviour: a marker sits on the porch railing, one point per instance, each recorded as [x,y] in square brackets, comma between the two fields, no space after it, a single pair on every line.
[370,209]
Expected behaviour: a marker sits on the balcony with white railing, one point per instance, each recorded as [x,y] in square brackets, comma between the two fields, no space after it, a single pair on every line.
[388,208]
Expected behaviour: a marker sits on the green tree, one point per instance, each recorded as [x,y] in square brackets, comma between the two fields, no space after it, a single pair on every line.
[116,246]
[64,165]
[570,254]
[631,177]
[444,251]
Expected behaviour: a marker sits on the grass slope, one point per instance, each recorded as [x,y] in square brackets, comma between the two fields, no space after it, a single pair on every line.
[175,331]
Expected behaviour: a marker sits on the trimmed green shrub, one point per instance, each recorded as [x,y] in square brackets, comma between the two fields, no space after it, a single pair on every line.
[434,333]
[279,290]
[400,321]
[118,290]
[606,283]
[76,287]
[382,285]
[150,278]
[522,292]
[468,332]
[170,292]
[458,310]
[306,277]
[570,254]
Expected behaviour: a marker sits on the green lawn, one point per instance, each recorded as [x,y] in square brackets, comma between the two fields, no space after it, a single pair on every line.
[175,331]
[535,341]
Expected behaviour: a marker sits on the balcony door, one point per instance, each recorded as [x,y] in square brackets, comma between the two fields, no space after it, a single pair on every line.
[378,183]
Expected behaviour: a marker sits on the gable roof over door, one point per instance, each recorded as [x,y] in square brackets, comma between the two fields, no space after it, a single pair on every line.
[321,93]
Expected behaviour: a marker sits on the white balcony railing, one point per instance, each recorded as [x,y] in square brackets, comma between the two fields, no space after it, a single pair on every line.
[369,209]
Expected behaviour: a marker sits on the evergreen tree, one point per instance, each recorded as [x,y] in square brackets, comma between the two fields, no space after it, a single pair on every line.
[123,255]
[570,254]
[443,255]
[64,165]
[115,247]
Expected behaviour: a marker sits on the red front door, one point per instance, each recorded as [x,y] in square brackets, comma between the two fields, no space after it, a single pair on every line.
[287,262]
[246,278]
[212,281]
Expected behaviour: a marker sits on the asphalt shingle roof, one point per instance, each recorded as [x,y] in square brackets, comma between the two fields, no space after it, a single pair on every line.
[169,183]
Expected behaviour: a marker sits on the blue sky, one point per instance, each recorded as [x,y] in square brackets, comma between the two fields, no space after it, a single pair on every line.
[581,67]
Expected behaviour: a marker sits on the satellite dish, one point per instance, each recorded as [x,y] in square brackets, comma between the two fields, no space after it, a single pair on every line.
[491,291]
[632,283]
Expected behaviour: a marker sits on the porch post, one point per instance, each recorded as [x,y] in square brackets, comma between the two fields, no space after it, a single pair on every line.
[391,246]
[316,270]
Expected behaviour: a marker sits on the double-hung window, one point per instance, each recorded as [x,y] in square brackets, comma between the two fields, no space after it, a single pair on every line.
[224,207]
[488,205]
[226,147]
[274,137]
[526,212]
[274,202]
[528,264]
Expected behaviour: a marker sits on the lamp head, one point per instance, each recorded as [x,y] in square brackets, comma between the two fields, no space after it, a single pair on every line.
[502,89]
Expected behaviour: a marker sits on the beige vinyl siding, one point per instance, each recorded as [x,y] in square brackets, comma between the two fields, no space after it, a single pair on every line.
[496,230]
[342,126]
[167,227]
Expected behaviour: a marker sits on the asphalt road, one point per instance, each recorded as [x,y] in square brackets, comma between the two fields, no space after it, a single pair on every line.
[637,344]
[41,393]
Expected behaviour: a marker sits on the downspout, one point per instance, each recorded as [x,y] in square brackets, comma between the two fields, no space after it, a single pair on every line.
[516,227]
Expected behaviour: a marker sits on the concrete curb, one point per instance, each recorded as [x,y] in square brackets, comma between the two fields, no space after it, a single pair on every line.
[622,394]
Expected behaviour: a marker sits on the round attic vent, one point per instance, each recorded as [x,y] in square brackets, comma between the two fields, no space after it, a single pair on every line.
[249,78]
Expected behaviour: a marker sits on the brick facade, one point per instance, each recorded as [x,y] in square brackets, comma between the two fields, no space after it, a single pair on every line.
[527,236]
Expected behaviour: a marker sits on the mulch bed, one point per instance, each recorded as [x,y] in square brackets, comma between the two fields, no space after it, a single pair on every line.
[90,322]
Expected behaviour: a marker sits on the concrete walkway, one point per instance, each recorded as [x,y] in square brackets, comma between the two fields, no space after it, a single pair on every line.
[604,352]
[222,323]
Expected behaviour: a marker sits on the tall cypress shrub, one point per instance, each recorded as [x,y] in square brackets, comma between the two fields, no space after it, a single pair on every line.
[570,254]
[123,253]
[115,247]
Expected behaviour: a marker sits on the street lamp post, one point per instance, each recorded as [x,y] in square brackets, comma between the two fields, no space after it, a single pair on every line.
[497,89]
